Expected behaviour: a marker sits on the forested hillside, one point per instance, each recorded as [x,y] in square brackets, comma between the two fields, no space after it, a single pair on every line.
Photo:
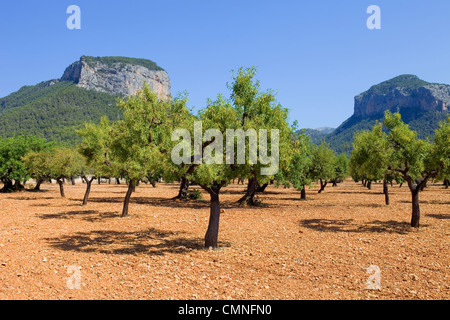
[54,111]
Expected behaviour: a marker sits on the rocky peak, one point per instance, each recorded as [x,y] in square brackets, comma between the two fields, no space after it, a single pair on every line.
[405,91]
[118,75]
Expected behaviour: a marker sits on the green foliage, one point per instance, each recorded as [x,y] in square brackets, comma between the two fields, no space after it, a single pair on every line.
[109,61]
[441,150]
[194,194]
[65,162]
[316,136]
[28,94]
[322,162]
[95,148]
[140,143]
[424,123]
[298,172]
[12,150]
[257,111]
[406,81]
[341,167]
[408,153]
[54,112]
[371,154]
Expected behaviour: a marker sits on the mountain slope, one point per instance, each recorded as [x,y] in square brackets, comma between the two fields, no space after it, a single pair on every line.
[55,109]
[422,105]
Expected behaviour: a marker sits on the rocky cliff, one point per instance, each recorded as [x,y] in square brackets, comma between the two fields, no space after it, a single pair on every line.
[118,75]
[406,91]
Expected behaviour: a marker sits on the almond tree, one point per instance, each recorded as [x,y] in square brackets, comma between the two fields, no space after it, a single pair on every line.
[139,143]
[371,155]
[297,173]
[225,126]
[94,148]
[257,111]
[13,171]
[322,164]
[213,172]
[416,160]
[341,169]
[64,163]
[442,151]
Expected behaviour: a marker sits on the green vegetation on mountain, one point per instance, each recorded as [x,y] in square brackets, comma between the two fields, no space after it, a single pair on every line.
[28,94]
[424,123]
[406,81]
[54,112]
[109,61]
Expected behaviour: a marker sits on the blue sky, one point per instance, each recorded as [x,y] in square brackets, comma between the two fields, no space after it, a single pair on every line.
[317,55]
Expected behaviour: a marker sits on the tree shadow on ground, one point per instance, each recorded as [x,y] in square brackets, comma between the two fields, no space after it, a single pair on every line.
[87,215]
[201,204]
[31,198]
[439,216]
[348,225]
[151,241]
[438,202]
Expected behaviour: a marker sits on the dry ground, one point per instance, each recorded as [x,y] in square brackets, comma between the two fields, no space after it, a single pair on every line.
[285,249]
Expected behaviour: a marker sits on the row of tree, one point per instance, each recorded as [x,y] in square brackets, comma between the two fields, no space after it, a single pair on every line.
[141,146]
[392,151]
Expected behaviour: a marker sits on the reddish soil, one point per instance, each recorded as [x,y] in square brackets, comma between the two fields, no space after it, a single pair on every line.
[284,249]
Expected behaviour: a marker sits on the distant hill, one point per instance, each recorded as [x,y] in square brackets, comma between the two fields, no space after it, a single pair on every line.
[422,105]
[87,91]
[319,134]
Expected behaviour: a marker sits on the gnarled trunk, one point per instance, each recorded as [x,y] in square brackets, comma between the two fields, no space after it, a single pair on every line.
[249,197]
[37,187]
[262,188]
[303,193]
[88,189]
[323,184]
[126,202]
[415,220]
[60,182]
[8,185]
[386,192]
[212,234]
[184,187]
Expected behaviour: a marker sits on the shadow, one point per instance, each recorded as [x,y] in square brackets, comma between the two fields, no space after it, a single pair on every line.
[87,215]
[427,202]
[439,216]
[150,241]
[31,198]
[370,205]
[201,204]
[349,226]
[36,191]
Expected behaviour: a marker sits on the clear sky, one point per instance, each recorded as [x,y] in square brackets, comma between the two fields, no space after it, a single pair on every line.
[317,55]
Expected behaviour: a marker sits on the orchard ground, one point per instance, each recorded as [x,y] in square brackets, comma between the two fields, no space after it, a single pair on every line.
[284,249]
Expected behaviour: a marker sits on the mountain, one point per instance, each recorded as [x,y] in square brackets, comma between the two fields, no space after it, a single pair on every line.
[422,105]
[87,91]
[319,134]
[118,75]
